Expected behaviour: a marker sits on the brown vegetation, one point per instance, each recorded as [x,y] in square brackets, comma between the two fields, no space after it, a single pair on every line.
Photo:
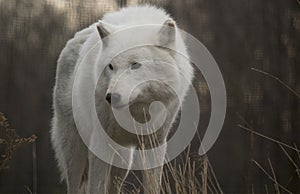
[10,141]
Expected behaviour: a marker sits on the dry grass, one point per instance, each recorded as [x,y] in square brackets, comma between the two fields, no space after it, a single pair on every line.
[271,173]
[278,80]
[192,174]
[187,174]
[10,141]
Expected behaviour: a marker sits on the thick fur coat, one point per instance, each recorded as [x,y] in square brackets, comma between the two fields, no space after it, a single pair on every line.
[80,168]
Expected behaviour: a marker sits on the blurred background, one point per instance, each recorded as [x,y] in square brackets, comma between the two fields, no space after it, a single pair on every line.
[241,35]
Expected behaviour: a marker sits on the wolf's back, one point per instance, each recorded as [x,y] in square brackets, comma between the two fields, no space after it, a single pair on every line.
[137,15]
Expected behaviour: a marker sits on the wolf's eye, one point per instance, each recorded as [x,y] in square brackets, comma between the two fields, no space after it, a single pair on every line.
[135,65]
[111,67]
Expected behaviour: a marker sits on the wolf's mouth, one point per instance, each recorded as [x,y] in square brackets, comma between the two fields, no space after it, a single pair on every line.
[121,106]
[130,103]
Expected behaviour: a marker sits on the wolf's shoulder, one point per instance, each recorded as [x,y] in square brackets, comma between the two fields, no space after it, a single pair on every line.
[142,14]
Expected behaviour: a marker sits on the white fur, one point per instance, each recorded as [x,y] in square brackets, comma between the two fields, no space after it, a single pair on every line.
[79,167]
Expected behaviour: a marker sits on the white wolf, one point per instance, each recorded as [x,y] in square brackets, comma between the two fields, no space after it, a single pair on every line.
[82,170]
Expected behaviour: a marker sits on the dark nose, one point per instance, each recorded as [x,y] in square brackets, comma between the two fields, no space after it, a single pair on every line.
[113,97]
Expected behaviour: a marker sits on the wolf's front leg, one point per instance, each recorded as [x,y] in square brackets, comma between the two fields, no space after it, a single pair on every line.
[118,175]
[152,180]
[152,177]
[105,178]
[98,173]
[117,178]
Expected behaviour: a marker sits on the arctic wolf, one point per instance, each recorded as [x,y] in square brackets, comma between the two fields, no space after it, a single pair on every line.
[163,62]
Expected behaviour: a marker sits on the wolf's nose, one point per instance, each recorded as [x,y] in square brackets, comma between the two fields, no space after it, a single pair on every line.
[113,97]
[108,97]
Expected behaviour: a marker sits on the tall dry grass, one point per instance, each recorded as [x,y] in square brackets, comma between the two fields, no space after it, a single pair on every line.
[187,174]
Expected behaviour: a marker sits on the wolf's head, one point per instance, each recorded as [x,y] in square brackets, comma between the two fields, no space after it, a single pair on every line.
[139,72]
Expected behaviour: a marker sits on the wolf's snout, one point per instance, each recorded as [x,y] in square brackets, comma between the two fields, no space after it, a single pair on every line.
[113,97]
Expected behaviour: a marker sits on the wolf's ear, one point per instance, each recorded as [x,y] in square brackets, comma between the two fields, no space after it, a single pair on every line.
[167,33]
[105,29]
